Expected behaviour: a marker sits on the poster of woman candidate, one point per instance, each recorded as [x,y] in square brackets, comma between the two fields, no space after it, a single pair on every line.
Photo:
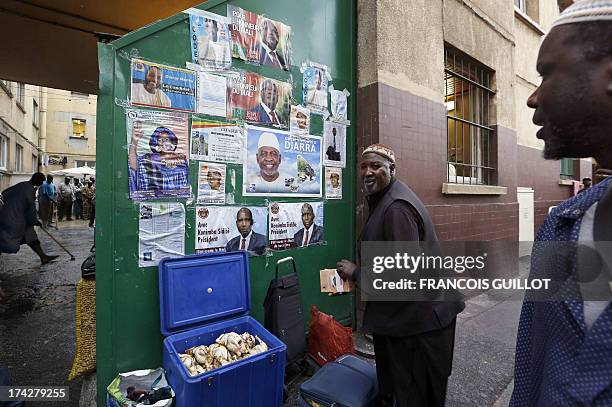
[211,41]
[231,228]
[163,86]
[278,164]
[157,154]
[314,88]
[295,224]
[256,99]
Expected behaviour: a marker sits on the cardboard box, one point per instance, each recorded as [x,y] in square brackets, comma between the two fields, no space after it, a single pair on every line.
[332,283]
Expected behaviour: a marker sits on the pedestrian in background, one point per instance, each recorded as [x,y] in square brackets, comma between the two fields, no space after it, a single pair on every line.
[564,346]
[78,199]
[92,211]
[65,194]
[87,193]
[47,197]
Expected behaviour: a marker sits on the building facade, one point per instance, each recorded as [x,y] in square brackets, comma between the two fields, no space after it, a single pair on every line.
[445,84]
[70,131]
[20,124]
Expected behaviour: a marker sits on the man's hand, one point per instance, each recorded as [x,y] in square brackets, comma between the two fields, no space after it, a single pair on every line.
[346,269]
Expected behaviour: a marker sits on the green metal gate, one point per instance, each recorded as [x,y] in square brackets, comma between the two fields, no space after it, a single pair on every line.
[128,335]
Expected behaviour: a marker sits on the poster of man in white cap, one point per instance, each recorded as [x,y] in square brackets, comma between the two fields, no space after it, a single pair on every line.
[295,224]
[278,164]
[231,228]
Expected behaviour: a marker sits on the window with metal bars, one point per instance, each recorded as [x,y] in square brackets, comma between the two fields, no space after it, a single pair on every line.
[468,98]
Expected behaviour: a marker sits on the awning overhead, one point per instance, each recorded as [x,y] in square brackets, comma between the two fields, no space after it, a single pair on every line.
[52,43]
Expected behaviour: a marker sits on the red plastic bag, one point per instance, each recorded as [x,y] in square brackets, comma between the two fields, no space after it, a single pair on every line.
[328,339]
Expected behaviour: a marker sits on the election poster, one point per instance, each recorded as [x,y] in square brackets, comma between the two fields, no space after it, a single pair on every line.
[215,141]
[231,228]
[211,183]
[278,164]
[243,28]
[295,224]
[211,41]
[274,40]
[333,183]
[314,88]
[212,94]
[256,99]
[334,139]
[158,166]
[161,232]
[339,105]
[299,121]
[157,85]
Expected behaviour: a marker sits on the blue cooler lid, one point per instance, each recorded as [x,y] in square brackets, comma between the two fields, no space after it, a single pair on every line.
[199,289]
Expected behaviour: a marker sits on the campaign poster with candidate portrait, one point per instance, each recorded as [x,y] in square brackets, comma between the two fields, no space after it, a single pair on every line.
[216,141]
[333,183]
[211,183]
[314,88]
[299,122]
[157,85]
[157,154]
[223,228]
[257,99]
[295,224]
[334,139]
[278,164]
[243,27]
[211,41]
[274,40]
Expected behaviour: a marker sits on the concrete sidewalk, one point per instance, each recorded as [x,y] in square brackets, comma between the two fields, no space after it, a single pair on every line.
[483,363]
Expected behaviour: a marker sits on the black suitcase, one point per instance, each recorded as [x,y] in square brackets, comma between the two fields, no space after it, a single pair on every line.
[283,312]
[346,382]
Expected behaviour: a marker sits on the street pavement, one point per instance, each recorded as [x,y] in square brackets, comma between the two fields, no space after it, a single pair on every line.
[483,363]
[37,321]
[38,345]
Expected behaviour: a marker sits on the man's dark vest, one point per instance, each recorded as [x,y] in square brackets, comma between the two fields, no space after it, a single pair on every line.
[395,318]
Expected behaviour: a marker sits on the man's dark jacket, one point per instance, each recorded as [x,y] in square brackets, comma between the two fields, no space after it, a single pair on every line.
[315,237]
[396,318]
[257,244]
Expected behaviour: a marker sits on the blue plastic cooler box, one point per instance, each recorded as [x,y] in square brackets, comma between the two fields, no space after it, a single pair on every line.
[201,297]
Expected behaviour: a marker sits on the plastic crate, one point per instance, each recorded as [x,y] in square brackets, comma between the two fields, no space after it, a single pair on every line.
[201,297]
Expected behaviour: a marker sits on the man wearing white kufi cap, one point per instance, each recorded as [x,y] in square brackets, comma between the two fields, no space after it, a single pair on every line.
[269,178]
[564,343]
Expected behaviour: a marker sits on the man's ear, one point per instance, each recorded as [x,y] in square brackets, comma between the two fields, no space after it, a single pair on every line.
[392,169]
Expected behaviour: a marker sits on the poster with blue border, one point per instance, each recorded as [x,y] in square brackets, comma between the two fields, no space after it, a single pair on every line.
[279,164]
[167,87]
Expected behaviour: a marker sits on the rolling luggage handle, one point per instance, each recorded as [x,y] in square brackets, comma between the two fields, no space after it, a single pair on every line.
[284,260]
